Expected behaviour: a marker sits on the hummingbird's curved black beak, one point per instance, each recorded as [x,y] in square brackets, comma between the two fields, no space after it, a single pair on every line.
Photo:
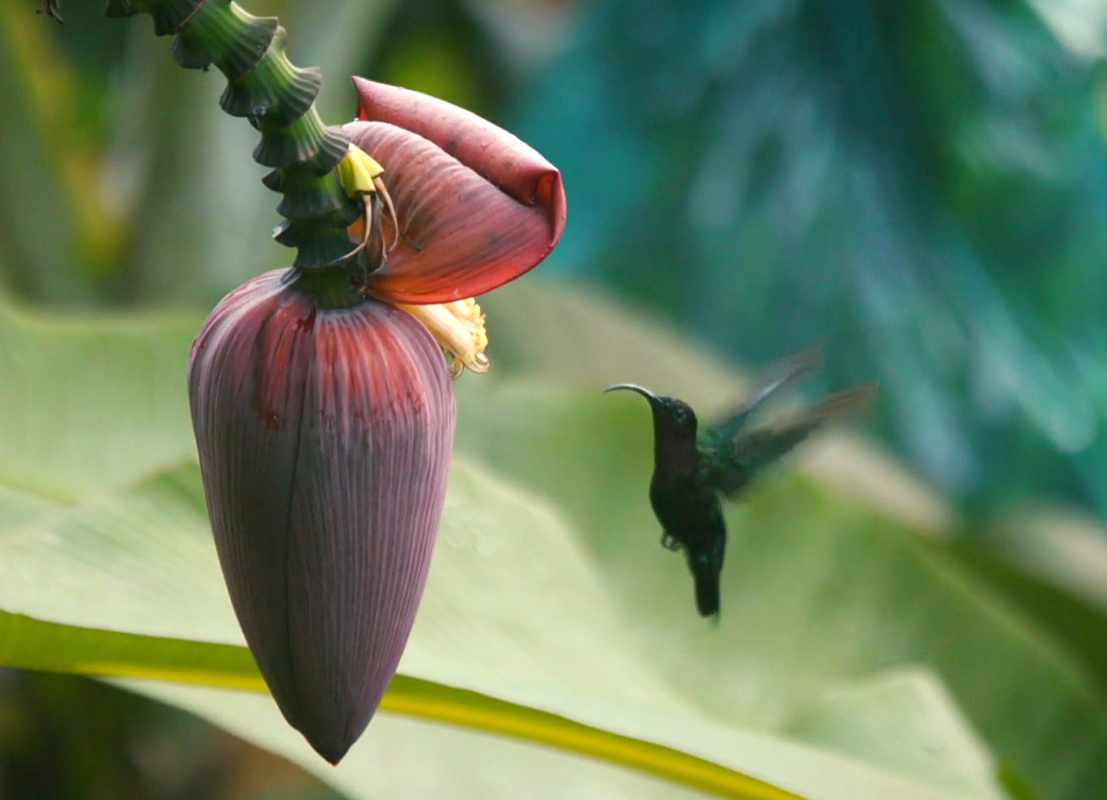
[634,387]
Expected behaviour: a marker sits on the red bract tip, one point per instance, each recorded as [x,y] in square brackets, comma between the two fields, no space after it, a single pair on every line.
[324,437]
[476,206]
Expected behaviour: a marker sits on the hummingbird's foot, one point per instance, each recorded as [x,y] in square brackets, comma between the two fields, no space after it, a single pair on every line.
[669,543]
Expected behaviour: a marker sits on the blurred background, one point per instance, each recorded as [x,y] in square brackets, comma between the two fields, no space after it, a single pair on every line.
[920,185]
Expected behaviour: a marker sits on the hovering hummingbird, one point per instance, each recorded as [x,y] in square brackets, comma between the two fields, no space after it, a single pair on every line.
[692,468]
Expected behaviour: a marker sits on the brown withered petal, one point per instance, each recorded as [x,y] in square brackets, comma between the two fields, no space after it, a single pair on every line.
[477,207]
[324,438]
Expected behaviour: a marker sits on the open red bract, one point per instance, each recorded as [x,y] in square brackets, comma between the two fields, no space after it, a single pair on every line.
[476,206]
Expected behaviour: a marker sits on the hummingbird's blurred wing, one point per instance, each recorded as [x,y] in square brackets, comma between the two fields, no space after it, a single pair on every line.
[731,465]
[777,377]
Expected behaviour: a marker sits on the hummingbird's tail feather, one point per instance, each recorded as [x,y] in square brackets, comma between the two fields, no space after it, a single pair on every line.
[707,592]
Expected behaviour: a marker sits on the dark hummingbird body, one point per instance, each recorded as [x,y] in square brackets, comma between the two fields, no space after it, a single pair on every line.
[693,468]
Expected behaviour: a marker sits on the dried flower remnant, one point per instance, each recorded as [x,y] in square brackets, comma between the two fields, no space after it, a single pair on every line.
[51,8]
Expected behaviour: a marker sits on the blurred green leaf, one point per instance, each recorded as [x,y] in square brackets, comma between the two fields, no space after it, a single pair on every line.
[110,614]
[899,718]
[40,223]
[90,403]
[548,589]
[817,590]
[818,587]
[94,546]
[1052,564]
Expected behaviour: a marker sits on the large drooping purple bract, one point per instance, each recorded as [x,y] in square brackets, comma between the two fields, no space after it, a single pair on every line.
[325,426]
[324,437]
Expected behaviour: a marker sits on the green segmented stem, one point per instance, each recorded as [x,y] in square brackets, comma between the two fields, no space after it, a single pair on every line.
[278,99]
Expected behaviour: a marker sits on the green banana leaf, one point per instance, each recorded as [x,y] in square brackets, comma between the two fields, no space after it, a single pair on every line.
[856,657]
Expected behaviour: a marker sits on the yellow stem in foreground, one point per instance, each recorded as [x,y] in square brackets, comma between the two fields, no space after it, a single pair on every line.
[470,709]
[27,643]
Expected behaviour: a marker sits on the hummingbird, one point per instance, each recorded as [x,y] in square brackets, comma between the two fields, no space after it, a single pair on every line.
[693,468]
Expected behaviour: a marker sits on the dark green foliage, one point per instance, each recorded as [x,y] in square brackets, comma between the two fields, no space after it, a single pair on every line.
[69,738]
[922,184]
